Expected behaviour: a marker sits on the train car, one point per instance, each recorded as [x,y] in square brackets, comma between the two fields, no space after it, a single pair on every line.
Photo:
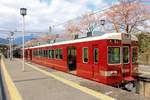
[110,58]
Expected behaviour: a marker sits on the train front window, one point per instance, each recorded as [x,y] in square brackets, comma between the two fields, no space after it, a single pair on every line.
[113,55]
[134,55]
[125,54]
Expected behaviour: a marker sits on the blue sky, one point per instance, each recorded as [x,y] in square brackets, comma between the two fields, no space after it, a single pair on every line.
[44,13]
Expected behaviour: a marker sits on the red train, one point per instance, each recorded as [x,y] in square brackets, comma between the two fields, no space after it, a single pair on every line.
[110,58]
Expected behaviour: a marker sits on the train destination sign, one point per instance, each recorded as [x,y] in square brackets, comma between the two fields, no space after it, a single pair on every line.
[126,38]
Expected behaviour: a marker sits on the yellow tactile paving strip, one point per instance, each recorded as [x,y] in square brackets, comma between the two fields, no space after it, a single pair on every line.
[12,90]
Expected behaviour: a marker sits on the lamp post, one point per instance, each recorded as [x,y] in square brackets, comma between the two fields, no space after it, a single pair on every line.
[23,12]
[102,22]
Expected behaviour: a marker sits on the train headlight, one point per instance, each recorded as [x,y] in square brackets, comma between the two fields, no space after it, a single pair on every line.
[113,73]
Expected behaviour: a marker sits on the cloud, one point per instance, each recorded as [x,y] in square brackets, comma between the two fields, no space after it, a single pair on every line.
[43,13]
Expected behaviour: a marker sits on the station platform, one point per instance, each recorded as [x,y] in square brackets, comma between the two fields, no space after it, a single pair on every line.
[144,69]
[144,80]
[43,83]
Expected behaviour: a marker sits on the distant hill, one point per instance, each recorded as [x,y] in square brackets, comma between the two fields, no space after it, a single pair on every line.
[18,41]
[3,41]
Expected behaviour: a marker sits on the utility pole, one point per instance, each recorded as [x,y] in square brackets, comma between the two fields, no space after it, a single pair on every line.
[10,55]
[10,37]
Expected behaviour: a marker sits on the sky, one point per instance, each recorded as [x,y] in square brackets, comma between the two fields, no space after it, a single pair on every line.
[44,13]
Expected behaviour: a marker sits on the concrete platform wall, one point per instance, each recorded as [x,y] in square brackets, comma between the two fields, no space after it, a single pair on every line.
[144,88]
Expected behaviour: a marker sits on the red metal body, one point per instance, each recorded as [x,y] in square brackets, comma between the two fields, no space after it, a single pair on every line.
[101,71]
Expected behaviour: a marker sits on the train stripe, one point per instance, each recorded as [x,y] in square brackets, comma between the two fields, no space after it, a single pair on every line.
[12,90]
[74,85]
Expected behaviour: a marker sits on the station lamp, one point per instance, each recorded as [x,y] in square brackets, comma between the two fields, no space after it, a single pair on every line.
[102,21]
[23,12]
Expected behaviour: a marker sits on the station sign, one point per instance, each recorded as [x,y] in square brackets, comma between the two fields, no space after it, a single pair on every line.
[126,38]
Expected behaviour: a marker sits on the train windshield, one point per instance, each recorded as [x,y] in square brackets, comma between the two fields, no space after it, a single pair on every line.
[113,55]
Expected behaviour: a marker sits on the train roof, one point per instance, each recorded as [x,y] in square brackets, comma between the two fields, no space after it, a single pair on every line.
[115,36]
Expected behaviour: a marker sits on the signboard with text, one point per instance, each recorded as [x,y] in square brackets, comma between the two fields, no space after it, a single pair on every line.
[126,38]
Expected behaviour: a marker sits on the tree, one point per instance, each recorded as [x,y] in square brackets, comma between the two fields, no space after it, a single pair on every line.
[128,16]
[72,27]
[144,42]
[86,24]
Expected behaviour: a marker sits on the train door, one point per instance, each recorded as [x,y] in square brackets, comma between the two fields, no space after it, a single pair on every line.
[72,59]
[95,61]
[126,60]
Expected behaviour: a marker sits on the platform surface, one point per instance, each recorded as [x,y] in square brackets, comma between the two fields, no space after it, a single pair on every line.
[34,84]
[144,72]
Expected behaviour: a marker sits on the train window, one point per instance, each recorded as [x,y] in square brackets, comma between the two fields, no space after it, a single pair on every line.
[58,54]
[52,53]
[42,53]
[38,53]
[35,52]
[85,55]
[49,54]
[46,54]
[32,52]
[125,54]
[114,55]
[95,55]
[134,55]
